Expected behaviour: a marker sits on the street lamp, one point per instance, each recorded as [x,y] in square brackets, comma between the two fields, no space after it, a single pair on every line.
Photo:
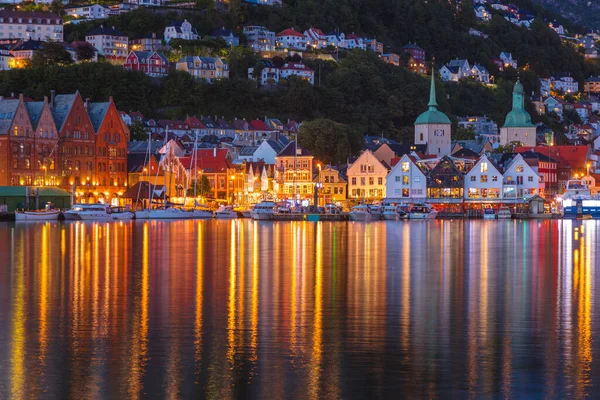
[318,185]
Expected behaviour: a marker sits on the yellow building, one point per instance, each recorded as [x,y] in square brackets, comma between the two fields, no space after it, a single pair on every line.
[333,186]
[293,173]
[208,68]
[366,178]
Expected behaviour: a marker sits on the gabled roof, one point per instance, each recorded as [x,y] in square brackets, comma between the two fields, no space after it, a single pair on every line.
[258,125]
[34,109]
[223,124]
[141,147]
[29,45]
[296,67]
[223,32]
[194,122]
[137,161]
[291,32]
[7,107]
[212,160]
[62,106]
[291,150]
[97,112]
[248,150]
[276,145]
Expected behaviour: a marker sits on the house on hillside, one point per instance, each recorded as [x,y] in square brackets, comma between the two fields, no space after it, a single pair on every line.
[151,63]
[208,68]
[180,30]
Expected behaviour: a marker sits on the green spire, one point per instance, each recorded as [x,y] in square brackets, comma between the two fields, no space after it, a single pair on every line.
[432,97]
[518,117]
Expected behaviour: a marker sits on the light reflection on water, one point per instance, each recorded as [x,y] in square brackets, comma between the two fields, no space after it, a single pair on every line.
[227,309]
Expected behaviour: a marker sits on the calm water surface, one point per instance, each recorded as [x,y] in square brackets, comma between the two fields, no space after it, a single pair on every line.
[241,309]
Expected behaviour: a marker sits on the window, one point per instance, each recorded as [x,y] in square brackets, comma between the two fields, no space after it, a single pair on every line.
[380,181]
[473,178]
[494,178]
[405,180]
[417,179]
[371,181]
[354,181]
[530,179]
[405,167]
[484,167]
[519,180]
[519,168]
[483,178]
[405,193]
[398,178]
[362,181]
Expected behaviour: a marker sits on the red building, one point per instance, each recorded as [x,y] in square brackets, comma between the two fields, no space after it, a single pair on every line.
[76,144]
[45,143]
[151,63]
[112,136]
[415,52]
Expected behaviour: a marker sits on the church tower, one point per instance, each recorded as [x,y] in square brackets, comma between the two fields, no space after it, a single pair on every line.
[517,126]
[433,127]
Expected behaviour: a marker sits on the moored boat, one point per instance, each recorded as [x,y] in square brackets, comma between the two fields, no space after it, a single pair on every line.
[422,211]
[225,212]
[489,213]
[103,212]
[43,215]
[264,210]
[72,214]
[504,213]
[389,212]
[202,212]
[361,212]
[170,213]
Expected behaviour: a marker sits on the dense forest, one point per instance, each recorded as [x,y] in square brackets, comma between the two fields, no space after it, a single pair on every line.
[360,91]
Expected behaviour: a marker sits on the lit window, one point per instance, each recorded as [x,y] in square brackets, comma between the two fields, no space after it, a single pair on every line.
[405,167]
[519,168]
[484,167]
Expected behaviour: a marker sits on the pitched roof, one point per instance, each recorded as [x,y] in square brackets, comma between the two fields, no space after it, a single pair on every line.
[34,109]
[276,145]
[7,107]
[141,146]
[212,160]
[291,32]
[62,106]
[96,112]
[25,15]
[411,46]
[258,125]
[290,151]
[32,45]
[248,150]
[296,67]
[222,32]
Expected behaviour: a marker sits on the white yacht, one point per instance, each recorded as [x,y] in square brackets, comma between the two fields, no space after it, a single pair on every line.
[104,212]
[504,213]
[422,211]
[264,210]
[390,212]
[332,209]
[225,212]
[72,214]
[376,211]
[362,212]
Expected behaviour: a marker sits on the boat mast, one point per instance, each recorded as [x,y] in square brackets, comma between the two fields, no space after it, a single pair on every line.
[195,167]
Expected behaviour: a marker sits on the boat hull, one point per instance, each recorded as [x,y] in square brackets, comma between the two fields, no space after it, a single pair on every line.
[198,214]
[263,216]
[225,215]
[489,216]
[429,215]
[126,216]
[390,216]
[169,214]
[37,216]
[360,217]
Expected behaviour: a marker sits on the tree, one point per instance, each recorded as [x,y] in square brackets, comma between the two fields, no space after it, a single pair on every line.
[85,51]
[329,141]
[137,130]
[203,187]
[257,71]
[51,53]
[464,134]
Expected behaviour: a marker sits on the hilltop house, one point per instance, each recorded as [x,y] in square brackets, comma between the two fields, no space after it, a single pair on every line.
[180,30]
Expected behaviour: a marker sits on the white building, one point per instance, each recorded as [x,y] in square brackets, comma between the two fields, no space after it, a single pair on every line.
[31,25]
[520,180]
[352,41]
[483,181]
[316,38]
[291,39]
[180,30]
[482,14]
[455,70]
[89,11]
[297,69]
[259,38]
[565,84]
[147,3]
[480,73]
[507,60]
[406,181]
[109,42]
[6,59]
[268,76]
[366,178]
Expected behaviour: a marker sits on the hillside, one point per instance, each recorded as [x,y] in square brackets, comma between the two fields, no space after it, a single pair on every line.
[361,91]
[583,12]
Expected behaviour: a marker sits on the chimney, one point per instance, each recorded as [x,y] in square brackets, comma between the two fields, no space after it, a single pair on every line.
[21,96]
[12,94]
[52,97]
[86,104]
[45,99]
[110,99]
[215,152]
[153,35]
[1,97]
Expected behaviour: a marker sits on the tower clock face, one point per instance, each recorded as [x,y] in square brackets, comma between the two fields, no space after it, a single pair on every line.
[439,132]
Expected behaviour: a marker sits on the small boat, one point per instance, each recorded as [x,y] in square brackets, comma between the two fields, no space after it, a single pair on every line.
[248,212]
[422,211]
[42,215]
[504,213]
[376,211]
[225,212]
[390,212]
[103,212]
[361,212]
[489,213]
[264,210]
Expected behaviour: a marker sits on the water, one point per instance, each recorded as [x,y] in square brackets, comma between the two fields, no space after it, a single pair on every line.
[238,309]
